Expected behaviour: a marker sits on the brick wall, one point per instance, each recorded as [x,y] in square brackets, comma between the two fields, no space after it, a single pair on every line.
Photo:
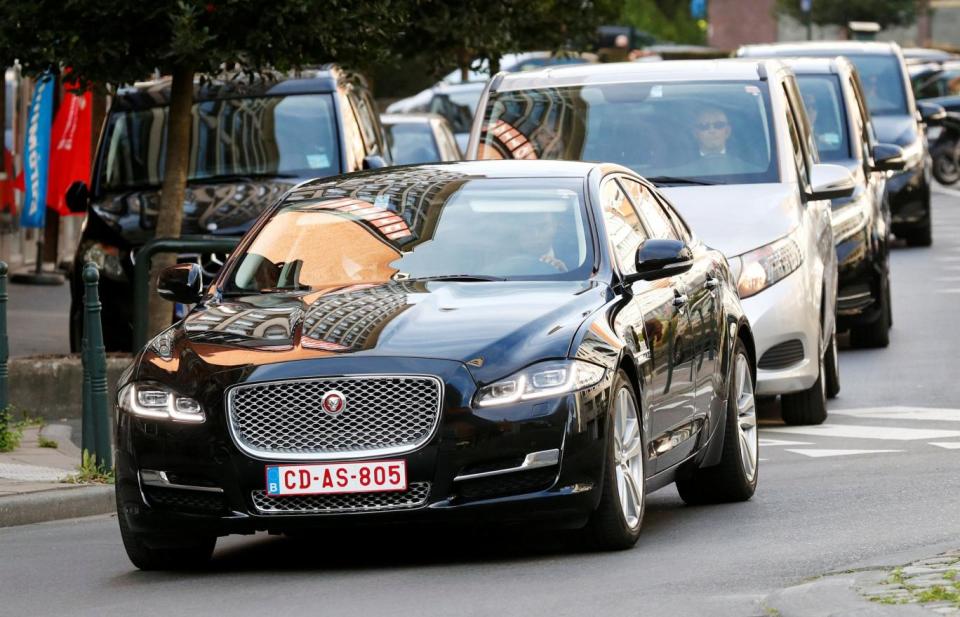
[736,22]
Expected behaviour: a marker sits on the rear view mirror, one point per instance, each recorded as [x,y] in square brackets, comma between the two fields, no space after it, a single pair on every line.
[888,157]
[931,113]
[78,197]
[660,258]
[181,283]
[830,182]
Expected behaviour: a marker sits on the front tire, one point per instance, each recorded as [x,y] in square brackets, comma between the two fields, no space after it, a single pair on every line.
[735,477]
[808,406]
[615,524]
[164,552]
[875,334]
[832,367]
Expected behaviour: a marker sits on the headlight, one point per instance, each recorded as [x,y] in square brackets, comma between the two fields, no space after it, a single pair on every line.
[541,380]
[848,221]
[149,400]
[913,153]
[766,265]
[107,259]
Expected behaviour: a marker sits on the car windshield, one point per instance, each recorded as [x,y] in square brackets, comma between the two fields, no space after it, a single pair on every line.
[457,106]
[258,136]
[882,83]
[412,142]
[822,99]
[416,224]
[712,132]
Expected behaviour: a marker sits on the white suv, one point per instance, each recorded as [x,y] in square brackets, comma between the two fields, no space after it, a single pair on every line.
[729,143]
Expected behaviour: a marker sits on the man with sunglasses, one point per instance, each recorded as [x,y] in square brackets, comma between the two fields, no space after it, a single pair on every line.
[712,131]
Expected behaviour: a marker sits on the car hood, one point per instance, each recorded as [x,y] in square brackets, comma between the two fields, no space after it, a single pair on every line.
[215,207]
[898,130]
[736,218]
[494,327]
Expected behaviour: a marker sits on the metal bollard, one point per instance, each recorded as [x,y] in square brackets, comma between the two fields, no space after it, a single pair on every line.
[95,370]
[4,345]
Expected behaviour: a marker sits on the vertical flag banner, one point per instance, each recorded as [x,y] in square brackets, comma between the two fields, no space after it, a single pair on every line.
[37,152]
[69,149]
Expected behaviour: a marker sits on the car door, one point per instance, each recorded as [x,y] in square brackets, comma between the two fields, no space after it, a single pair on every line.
[691,302]
[650,314]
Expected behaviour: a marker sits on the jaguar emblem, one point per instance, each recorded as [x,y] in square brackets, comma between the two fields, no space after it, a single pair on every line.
[333,402]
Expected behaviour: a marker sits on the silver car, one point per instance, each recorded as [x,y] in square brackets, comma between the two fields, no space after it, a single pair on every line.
[731,146]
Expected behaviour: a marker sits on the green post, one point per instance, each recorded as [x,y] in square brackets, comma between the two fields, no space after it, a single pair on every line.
[97,368]
[4,347]
[88,427]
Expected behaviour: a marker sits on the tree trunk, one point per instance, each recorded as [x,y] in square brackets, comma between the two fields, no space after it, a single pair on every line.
[494,64]
[463,61]
[174,186]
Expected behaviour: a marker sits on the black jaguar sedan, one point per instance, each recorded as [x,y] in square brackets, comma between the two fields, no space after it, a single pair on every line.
[498,341]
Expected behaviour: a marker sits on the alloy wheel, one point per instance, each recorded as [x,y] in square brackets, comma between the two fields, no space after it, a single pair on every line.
[746,416]
[628,458]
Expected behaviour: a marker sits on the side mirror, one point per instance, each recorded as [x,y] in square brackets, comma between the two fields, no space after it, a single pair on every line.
[888,157]
[830,182]
[373,161]
[78,197]
[181,283]
[931,113]
[658,258]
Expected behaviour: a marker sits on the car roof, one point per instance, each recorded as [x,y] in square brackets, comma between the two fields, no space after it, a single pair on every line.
[419,117]
[833,48]
[625,72]
[154,93]
[818,65]
[471,170]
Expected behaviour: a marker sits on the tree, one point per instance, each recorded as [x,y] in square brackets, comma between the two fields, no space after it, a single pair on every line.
[469,32]
[828,12]
[666,20]
[122,41]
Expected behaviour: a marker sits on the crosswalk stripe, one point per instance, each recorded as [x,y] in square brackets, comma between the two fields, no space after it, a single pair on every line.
[778,442]
[824,453]
[892,433]
[949,445]
[902,413]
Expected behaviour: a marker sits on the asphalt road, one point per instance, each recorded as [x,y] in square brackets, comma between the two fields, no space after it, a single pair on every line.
[879,477]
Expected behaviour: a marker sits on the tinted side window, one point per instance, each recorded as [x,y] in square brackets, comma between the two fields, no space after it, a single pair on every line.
[653,215]
[624,229]
[351,135]
[861,119]
[368,123]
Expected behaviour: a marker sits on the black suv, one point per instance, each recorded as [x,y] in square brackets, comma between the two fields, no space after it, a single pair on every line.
[252,140]
[897,118]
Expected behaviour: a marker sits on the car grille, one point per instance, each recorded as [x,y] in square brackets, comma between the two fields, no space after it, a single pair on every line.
[414,497]
[782,355]
[184,500]
[508,484]
[382,415]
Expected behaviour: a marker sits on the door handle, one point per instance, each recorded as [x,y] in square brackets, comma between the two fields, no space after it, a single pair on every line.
[679,299]
[713,282]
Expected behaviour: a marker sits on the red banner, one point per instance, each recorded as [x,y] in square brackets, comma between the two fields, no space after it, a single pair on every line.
[69,149]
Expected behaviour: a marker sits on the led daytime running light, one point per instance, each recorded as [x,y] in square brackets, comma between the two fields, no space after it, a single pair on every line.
[159,403]
[541,381]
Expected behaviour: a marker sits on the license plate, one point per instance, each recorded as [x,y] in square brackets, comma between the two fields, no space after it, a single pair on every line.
[333,478]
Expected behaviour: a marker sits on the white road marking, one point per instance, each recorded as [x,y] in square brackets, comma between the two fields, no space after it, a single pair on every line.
[764,443]
[945,191]
[948,291]
[825,453]
[901,413]
[948,258]
[891,433]
[948,279]
[949,445]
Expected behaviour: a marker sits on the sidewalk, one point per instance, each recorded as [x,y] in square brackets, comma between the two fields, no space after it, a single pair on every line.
[31,481]
[926,586]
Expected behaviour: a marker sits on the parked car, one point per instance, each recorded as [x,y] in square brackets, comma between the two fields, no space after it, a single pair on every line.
[897,118]
[519,62]
[253,142]
[729,143]
[924,55]
[837,109]
[470,341]
[455,102]
[419,138]
[934,80]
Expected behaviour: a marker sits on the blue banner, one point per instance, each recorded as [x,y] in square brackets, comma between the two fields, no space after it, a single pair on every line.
[37,152]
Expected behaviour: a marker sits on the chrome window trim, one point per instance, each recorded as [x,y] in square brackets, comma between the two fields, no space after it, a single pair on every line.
[264,455]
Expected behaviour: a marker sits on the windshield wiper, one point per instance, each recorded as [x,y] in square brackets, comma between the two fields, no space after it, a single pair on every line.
[679,180]
[455,277]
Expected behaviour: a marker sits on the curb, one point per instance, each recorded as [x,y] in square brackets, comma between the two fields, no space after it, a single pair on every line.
[835,596]
[56,504]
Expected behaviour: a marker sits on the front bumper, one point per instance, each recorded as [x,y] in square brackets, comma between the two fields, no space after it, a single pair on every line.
[786,314]
[908,193]
[861,265]
[467,441]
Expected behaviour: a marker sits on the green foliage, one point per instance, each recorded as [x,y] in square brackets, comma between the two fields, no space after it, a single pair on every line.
[666,20]
[10,431]
[45,442]
[90,472]
[884,12]
[939,593]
